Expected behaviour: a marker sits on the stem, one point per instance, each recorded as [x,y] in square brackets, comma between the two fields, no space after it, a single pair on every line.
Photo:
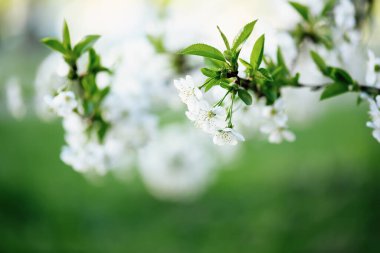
[222,100]
[250,85]
[230,111]
[73,74]
[358,88]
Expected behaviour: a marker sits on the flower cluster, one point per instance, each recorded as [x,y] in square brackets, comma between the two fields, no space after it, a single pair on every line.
[373,80]
[263,78]
[179,171]
[256,82]
[375,117]
[104,126]
[63,104]
[332,25]
[210,119]
[373,70]
[276,127]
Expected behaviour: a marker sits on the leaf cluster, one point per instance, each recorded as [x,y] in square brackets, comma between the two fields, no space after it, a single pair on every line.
[84,84]
[342,81]
[262,80]
[314,27]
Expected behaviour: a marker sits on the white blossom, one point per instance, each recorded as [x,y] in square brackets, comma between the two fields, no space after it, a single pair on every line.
[373,70]
[188,92]
[208,118]
[177,165]
[51,76]
[140,71]
[375,117]
[86,153]
[83,152]
[63,103]
[227,136]
[276,126]
[344,14]
[251,117]
[15,101]
[277,134]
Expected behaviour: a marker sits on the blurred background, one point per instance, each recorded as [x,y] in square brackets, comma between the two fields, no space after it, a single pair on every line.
[319,194]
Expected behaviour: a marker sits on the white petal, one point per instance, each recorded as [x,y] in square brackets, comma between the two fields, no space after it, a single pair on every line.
[289,136]
[275,137]
[378,101]
[376,134]
[219,111]
[238,136]
[191,116]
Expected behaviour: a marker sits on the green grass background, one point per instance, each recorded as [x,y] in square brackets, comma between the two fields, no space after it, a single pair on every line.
[319,194]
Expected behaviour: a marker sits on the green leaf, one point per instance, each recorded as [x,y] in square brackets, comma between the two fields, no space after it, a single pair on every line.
[243,36]
[157,42]
[205,51]
[277,71]
[295,79]
[333,90]
[281,61]
[104,92]
[225,84]
[303,10]
[245,63]
[214,63]
[328,7]
[258,52]
[210,73]
[271,96]
[340,75]
[94,59]
[66,36]
[210,83]
[263,74]
[327,41]
[319,62]
[85,44]
[54,44]
[224,39]
[245,96]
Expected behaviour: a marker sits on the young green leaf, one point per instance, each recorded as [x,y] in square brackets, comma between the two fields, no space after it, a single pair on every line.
[211,83]
[303,10]
[328,7]
[225,84]
[54,44]
[245,63]
[224,39]
[277,71]
[333,90]
[205,51]
[319,62]
[258,52]
[245,96]
[66,36]
[281,61]
[210,73]
[157,42]
[85,44]
[340,75]
[243,36]
[263,74]
[214,63]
